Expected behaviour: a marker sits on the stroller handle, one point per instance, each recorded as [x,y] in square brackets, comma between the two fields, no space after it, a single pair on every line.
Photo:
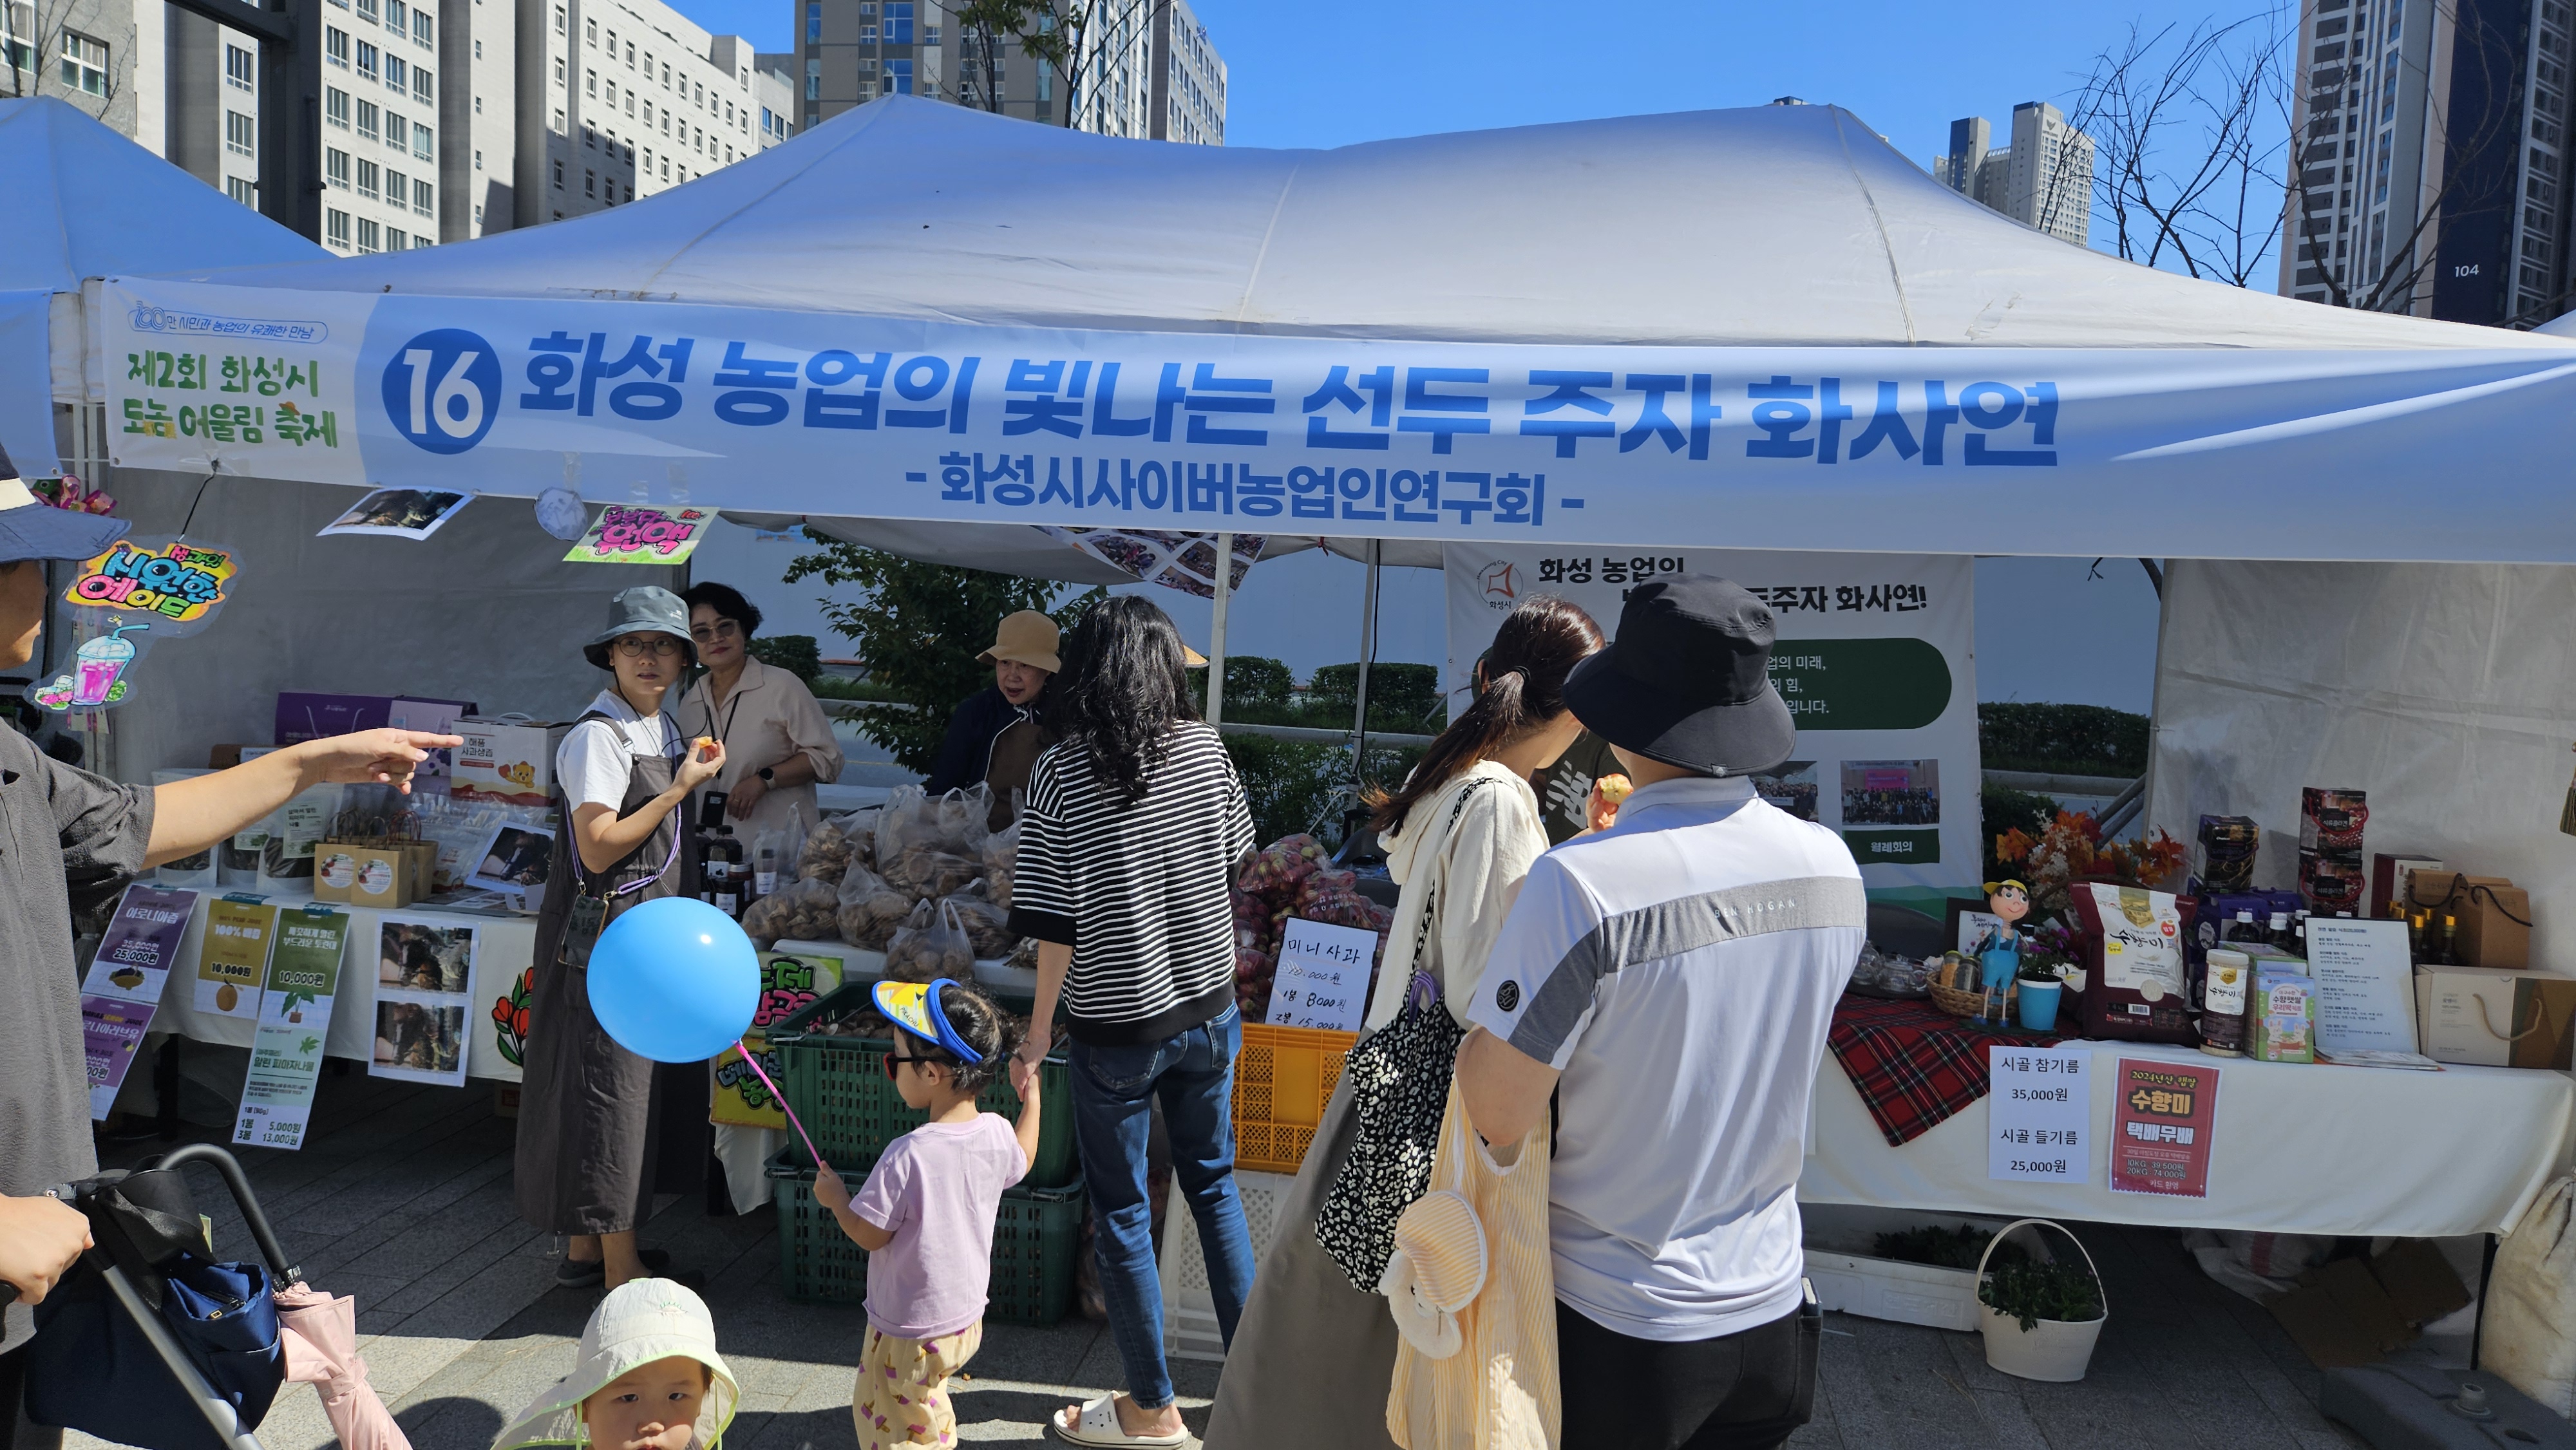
[287,1272]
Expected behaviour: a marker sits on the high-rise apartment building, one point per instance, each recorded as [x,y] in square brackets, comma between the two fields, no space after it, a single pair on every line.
[1151,71]
[2043,179]
[623,98]
[2430,158]
[382,134]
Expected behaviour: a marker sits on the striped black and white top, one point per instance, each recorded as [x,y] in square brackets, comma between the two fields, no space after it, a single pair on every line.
[1138,892]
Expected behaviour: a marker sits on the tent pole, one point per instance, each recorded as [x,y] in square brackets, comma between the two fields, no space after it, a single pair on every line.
[1216,630]
[1368,653]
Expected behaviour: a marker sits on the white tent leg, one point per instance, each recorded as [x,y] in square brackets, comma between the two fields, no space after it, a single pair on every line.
[1216,630]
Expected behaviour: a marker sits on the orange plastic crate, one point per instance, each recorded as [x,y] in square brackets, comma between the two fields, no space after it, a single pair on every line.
[1282,1079]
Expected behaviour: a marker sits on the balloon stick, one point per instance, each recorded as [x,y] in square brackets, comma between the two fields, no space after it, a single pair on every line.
[749,1057]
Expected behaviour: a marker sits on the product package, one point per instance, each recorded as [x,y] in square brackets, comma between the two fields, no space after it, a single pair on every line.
[2225,989]
[2391,877]
[2332,874]
[198,872]
[2136,984]
[303,715]
[293,830]
[2492,1018]
[506,760]
[2281,1020]
[2494,915]
[2227,847]
[437,717]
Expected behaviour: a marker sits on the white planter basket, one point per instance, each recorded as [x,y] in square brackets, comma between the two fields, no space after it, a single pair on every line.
[2055,1350]
[1190,1329]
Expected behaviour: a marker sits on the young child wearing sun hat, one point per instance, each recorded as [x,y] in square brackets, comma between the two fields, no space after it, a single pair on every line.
[925,1214]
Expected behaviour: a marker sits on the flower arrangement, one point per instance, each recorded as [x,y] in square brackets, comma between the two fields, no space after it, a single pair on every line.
[2071,849]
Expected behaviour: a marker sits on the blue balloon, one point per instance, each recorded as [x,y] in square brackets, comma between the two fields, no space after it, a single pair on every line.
[674,980]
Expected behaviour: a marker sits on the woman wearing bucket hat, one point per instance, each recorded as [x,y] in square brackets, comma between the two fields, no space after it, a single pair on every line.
[997,735]
[625,778]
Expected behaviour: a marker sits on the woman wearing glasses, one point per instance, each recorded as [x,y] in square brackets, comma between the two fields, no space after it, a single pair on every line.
[624,779]
[778,742]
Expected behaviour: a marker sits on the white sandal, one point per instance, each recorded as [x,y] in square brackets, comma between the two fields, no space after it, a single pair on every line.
[1098,1425]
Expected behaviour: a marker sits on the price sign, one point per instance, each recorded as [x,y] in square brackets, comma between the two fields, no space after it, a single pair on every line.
[2039,1114]
[1323,976]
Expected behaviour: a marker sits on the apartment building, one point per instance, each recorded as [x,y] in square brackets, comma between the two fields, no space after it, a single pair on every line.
[2431,157]
[2043,178]
[1152,69]
[619,99]
[381,124]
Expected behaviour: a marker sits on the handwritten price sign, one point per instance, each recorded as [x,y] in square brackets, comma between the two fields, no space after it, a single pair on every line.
[1323,976]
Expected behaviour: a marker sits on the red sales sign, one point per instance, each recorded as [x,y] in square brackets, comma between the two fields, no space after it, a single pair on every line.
[2162,1116]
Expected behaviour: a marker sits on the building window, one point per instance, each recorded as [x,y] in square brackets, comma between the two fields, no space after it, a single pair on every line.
[558,173]
[335,167]
[238,67]
[423,198]
[243,190]
[478,50]
[336,226]
[367,11]
[478,158]
[420,139]
[559,20]
[612,95]
[368,175]
[590,82]
[867,35]
[478,105]
[813,80]
[366,60]
[666,168]
[478,216]
[559,121]
[335,107]
[395,241]
[335,46]
[898,24]
[559,70]
[590,183]
[366,121]
[590,32]
[397,74]
[422,29]
[898,77]
[397,130]
[397,186]
[421,84]
[397,16]
[241,134]
[630,101]
[630,55]
[814,20]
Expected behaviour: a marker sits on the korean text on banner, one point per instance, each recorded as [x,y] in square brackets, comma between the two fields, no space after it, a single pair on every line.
[2162,1118]
[1875,660]
[294,1018]
[2039,1113]
[240,928]
[123,990]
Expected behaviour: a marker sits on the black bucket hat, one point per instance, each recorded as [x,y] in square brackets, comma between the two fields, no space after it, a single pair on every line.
[1687,680]
[644,609]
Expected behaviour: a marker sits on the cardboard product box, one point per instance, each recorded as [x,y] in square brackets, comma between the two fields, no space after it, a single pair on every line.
[385,874]
[2494,915]
[303,715]
[2490,1018]
[2281,1018]
[436,717]
[2332,879]
[2390,877]
[335,870]
[2332,818]
[511,762]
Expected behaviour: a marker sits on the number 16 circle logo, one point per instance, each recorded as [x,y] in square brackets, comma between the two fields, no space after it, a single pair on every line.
[443,388]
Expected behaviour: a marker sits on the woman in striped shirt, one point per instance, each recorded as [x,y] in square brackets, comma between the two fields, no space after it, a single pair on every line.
[1135,828]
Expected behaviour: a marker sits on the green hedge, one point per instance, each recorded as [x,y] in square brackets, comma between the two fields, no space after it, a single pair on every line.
[1407,693]
[1290,784]
[2064,739]
[797,654]
[2006,810]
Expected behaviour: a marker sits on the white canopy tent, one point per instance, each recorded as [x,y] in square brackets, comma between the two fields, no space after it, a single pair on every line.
[87,202]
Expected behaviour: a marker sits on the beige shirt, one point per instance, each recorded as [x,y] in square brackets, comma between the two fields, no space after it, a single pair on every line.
[769,717]
[1474,869]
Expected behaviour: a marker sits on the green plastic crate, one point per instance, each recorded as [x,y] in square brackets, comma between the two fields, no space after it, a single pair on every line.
[1035,1236]
[839,1089]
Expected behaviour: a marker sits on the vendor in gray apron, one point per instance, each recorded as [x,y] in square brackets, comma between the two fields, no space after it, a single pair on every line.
[623,781]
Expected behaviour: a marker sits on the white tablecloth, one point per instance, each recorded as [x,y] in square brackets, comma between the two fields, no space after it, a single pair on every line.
[2297,1149]
[504,949]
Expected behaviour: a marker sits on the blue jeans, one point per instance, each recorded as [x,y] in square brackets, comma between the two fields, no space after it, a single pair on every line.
[1113,1094]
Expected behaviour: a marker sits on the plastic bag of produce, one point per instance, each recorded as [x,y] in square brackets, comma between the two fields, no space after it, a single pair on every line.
[954,823]
[804,911]
[926,874]
[1001,856]
[791,847]
[963,818]
[929,945]
[868,909]
[1282,867]
[834,843]
[988,926]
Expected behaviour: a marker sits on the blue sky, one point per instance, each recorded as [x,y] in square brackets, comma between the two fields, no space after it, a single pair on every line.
[1333,72]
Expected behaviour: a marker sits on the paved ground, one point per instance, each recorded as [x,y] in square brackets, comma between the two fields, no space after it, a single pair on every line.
[402,1198]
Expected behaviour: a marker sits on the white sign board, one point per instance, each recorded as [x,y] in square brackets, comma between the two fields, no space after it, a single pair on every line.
[1323,976]
[2365,986]
[2039,1114]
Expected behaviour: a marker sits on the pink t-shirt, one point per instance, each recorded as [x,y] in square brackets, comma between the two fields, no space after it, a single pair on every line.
[936,1189]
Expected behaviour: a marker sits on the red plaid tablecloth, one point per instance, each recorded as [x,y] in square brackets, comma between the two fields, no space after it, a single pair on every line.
[1913,1063]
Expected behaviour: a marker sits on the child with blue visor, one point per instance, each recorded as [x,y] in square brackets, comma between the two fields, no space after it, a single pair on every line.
[925,1215]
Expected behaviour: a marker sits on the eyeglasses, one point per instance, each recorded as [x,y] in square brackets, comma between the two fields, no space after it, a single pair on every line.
[721,629]
[894,1063]
[647,646]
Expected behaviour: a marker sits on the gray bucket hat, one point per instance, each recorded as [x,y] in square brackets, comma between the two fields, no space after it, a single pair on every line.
[644,609]
[30,528]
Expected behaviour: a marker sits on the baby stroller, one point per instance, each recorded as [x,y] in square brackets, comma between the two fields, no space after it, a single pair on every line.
[151,1342]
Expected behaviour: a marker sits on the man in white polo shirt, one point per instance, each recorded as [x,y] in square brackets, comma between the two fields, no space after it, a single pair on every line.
[1670,980]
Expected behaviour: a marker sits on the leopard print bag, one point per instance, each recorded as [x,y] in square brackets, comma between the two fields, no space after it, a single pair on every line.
[1399,1079]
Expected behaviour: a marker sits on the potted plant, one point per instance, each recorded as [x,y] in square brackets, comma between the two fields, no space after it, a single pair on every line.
[2040,1318]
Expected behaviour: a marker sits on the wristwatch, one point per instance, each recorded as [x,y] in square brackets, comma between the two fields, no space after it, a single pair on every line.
[768,774]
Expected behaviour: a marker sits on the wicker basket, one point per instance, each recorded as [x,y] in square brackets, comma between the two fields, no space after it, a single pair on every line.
[1968,1004]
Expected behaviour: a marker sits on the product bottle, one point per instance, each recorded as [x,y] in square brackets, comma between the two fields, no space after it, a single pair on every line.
[724,855]
[2299,928]
[764,868]
[2416,946]
[2243,929]
[2448,950]
[702,841]
[2279,935]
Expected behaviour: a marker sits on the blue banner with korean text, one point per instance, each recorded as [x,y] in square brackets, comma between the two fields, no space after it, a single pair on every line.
[1949,450]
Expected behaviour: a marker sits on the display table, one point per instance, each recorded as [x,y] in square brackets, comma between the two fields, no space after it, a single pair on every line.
[2297,1149]
[505,947]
